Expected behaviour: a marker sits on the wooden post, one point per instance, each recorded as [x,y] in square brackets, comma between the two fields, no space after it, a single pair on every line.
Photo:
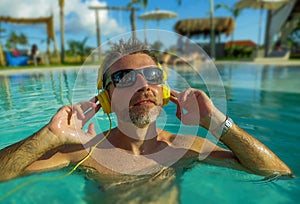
[98,33]
[2,60]
[132,19]
[267,39]
[212,31]
[62,31]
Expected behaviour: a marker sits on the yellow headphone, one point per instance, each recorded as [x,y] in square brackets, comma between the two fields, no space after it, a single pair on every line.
[104,99]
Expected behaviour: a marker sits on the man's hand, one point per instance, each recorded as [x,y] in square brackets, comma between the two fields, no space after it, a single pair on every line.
[67,123]
[194,107]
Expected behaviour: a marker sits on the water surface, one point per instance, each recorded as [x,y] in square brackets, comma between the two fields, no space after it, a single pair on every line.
[264,100]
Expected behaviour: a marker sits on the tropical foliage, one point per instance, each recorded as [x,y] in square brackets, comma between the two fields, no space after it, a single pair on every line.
[235,12]
[294,37]
[78,48]
[294,41]
[14,40]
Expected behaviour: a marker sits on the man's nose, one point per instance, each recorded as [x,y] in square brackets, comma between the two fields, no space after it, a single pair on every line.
[141,82]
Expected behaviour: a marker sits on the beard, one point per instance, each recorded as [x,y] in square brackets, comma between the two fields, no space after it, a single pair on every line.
[140,116]
[143,116]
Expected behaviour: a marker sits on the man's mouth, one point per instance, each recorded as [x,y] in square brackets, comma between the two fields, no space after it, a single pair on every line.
[145,102]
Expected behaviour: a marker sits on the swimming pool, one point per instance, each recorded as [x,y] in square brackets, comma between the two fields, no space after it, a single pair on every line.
[264,100]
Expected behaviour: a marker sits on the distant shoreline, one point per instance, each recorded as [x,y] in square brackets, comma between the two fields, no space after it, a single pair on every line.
[41,69]
[36,69]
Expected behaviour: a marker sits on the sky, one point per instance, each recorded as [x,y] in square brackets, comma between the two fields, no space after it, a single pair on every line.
[80,20]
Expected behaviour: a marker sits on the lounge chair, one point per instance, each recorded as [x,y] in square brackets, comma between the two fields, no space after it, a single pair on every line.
[15,61]
[276,55]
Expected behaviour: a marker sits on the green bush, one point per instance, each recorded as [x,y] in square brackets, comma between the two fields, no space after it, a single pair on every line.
[238,52]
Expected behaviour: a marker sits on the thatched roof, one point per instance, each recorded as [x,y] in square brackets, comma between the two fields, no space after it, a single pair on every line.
[201,26]
[47,20]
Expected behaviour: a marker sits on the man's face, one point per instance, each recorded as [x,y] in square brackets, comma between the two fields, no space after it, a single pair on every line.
[141,102]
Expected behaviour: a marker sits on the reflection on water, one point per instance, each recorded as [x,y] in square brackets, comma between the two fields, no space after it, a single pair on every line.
[30,100]
[14,89]
[261,77]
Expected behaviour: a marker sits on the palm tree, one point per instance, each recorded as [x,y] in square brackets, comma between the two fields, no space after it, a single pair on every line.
[78,48]
[2,30]
[235,12]
[23,39]
[144,3]
[62,30]
[13,39]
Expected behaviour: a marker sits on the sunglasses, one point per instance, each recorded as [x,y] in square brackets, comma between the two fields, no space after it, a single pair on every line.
[128,77]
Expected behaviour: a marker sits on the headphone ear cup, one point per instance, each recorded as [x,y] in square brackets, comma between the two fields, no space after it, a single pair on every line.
[166,94]
[104,100]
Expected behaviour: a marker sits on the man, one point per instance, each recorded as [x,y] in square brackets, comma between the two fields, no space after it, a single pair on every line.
[136,147]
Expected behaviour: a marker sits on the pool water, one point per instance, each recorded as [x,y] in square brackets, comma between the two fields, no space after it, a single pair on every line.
[264,100]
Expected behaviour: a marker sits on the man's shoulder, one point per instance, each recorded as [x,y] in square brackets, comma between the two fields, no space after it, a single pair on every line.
[180,140]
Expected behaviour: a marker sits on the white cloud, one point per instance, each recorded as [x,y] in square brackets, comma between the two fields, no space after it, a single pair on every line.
[25,8]
[78,17]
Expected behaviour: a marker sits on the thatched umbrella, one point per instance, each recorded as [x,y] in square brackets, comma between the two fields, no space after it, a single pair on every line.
[158,15]
[201,26]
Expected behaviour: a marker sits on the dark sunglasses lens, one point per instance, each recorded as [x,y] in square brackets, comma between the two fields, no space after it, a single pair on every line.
[153,75]
[124,78]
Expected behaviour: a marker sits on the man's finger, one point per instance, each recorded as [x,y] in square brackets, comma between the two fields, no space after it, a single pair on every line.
[86,105]
[174,100]
[185,95]
[174,93]
[178,112]
[78,109]
[91,130]
[94,99]
[98,107]
[90,114]
[84,137]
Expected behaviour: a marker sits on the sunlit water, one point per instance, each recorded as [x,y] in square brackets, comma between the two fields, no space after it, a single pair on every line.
[264,100]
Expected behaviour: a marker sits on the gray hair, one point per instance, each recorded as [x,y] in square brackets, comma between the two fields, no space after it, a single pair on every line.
[121,49]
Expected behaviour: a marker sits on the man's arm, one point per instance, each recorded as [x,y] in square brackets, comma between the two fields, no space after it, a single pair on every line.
[252,154]
[16,158]
[64,128]
[245,149]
